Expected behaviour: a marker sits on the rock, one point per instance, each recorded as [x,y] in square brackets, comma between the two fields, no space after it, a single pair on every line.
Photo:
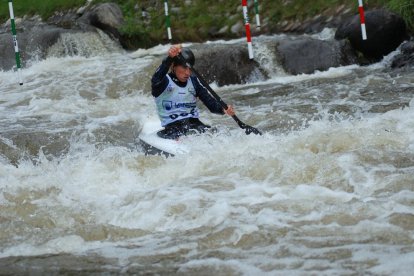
[227,64]
[385,32]
[408,47]
[7,60]
[33,37]
[223,30]
[406,58]
[36,38]
[214,32]
[237,28]
[306,55]
[107,17]
[64,20]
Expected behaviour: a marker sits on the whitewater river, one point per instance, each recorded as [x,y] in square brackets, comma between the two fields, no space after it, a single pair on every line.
[327,190]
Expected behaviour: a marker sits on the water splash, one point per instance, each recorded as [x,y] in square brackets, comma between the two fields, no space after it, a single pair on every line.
[83,44]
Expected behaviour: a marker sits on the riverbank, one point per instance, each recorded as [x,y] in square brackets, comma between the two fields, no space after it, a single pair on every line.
[198,21]
[99,29]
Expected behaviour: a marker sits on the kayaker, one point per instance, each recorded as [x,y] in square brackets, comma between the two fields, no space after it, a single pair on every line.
[176,90]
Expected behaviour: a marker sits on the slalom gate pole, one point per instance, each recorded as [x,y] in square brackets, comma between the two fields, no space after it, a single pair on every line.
[256,8]
[247,25]
[167,20]
[362,19]
[16,46]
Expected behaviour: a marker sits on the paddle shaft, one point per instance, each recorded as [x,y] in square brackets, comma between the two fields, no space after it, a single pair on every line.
[217,97]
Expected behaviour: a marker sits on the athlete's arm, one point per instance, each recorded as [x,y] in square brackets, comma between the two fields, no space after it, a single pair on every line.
[159,80]
[205,97]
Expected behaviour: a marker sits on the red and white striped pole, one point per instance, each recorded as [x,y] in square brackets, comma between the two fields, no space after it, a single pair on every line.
[362,18]
[247,25]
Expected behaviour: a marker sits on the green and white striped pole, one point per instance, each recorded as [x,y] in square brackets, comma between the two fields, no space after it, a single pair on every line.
[167,20]
[256,8]
[16,46]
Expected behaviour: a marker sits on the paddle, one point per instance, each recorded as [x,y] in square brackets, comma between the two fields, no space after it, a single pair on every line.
[248,129]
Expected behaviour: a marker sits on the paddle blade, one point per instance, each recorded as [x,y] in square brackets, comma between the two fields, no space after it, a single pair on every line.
[250,129]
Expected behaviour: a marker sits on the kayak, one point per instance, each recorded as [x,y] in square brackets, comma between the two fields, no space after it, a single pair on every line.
[152,144]
[155,145]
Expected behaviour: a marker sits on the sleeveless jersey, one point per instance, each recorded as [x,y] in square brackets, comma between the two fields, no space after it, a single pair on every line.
[177,103]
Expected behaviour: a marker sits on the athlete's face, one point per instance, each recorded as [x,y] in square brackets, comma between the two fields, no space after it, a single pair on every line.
[182,72]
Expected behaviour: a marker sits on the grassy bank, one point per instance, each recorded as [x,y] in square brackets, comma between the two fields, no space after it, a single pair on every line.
[44,8]
[196,20]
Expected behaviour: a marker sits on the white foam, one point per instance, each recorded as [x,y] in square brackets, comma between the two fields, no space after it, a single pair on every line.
[67,244]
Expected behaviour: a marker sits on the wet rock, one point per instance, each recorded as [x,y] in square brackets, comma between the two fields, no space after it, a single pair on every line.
[385,32]
[237,28]
[35,37]
[107,17]
[406,58]
[306,55]
[226,65]
[66,20]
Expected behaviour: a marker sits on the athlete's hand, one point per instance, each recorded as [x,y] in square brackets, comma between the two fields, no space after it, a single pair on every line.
[174,50]
[230,110]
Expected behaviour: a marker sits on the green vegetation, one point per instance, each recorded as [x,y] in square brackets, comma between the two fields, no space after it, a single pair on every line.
[195,20]
[44,8]
[405,8]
